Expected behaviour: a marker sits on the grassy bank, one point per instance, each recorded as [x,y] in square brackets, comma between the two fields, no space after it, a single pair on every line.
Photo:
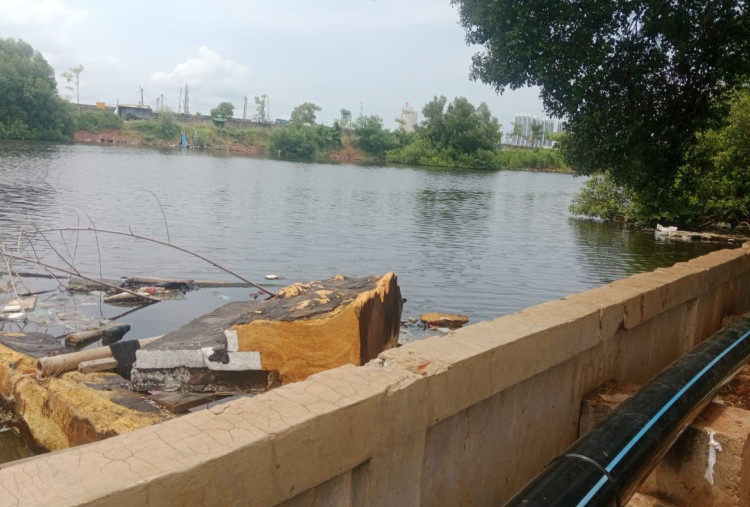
[311,143]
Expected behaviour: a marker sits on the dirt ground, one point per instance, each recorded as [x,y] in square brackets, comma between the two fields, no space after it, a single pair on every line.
[737,392]
[120,137]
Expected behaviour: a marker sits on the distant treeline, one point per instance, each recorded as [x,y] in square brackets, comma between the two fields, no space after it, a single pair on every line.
[451,135]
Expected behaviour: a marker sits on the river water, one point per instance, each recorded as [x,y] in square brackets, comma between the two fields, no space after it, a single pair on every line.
[482,244]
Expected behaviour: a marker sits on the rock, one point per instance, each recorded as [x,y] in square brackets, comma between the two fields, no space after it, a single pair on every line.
[451,321]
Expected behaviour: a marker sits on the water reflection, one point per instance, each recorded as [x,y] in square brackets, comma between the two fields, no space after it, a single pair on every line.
[25,188]
[613,251]
[451,223]
[479,243]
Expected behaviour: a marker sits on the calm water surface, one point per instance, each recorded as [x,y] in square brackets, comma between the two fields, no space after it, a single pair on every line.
[482,244]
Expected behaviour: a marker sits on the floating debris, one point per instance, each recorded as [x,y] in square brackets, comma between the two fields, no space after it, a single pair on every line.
[444,320]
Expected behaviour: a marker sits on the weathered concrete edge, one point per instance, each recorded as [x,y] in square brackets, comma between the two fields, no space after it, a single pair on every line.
[64,411]
[292,439]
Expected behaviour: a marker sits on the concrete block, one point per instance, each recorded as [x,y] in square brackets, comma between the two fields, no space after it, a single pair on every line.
[357,319]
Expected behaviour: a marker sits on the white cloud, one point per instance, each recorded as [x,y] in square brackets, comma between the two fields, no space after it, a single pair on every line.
[332,17]
[208,69]
[38,12]
[106,61]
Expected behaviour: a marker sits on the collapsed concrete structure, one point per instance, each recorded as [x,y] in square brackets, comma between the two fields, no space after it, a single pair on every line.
[251,346]
[241,347]
[461,419]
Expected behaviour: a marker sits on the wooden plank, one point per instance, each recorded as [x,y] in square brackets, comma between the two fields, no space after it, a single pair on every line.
[77,284]
[178,402]
[104,364]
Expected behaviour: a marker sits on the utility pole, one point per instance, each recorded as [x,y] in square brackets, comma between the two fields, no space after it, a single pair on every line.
[179,104]
[162,102]
[186,106]
[244,109]
[141,94]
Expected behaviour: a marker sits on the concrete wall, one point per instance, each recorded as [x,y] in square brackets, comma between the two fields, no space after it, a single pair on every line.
[463,419]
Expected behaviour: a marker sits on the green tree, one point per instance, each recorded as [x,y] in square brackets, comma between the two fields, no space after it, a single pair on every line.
[715,181]
[536,134]
[346,119]
[461,127]
[73,78]
[372,138]
[261,105]
[29,105]
[432,126]
[294,141]
[601,197]
[635,80]
[517,132]
[223,110]
[304,113]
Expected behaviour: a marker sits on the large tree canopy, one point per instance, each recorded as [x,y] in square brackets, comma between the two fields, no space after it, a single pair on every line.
[461,127]
[304,113]
[635,79]
[29,105]
[224,110]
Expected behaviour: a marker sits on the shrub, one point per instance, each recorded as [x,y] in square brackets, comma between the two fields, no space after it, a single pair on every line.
[601,197]
[93,121]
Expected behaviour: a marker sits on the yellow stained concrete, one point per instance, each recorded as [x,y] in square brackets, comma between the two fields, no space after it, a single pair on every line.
[63,411]
[299,348]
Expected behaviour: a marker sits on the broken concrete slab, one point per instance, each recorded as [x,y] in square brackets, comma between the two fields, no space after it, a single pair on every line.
[34,344]
[305,329]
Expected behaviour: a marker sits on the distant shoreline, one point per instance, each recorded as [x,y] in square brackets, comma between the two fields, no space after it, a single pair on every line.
[347,154]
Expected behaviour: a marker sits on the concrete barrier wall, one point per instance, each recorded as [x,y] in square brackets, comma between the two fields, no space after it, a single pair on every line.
[462,419]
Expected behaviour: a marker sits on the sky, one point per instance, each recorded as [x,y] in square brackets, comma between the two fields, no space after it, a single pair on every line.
[367,56]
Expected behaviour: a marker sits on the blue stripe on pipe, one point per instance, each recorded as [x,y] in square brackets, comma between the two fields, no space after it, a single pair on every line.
[656,417]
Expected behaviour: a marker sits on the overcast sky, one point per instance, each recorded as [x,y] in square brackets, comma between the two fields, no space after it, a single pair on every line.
[362,55]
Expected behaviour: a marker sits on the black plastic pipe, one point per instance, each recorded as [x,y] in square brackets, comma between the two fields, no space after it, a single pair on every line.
[606,466]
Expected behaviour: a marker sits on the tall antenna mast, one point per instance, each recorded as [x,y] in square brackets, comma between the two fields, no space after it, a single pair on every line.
[186,106]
